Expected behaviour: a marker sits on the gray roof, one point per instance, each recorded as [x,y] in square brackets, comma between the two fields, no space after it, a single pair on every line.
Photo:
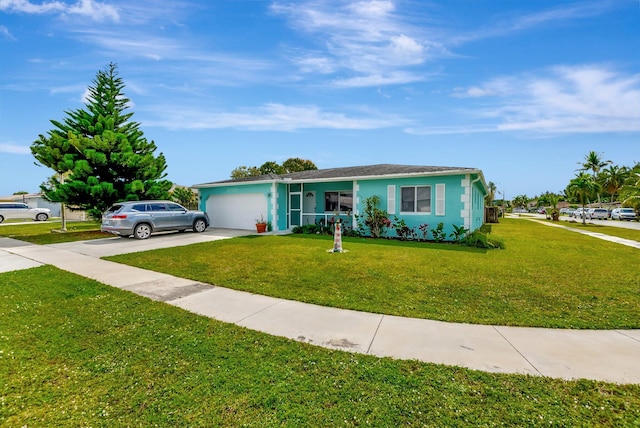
[351,172]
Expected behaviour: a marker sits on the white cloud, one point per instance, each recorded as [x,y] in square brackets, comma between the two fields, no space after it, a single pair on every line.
[97,11]
[4,31]
[367,40]
[450,130]
[315,64]
[394,78]
[90,8]
[566,13]
[268,117]
[14,149]
[566,99]
[26,6]
[495,87]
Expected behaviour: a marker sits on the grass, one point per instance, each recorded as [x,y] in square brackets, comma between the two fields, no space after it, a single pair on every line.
[43,233]
[546,277]
[75,352]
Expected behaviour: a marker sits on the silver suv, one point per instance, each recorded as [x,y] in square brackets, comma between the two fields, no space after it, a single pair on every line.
[142,218]
[18,210]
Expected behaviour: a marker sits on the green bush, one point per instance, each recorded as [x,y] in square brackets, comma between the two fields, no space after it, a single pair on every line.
[483,240]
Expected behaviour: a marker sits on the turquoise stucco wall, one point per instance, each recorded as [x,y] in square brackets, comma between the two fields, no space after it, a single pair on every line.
[470,215]
[281,208]
[454,213]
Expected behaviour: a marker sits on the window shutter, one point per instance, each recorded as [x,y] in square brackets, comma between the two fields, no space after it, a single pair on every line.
[391,199]
[440,199]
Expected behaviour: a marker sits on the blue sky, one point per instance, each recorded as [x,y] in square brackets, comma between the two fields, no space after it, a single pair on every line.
[520,89]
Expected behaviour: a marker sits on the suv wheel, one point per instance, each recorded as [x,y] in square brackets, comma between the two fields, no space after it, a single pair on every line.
[142,231]
[42,217]
[199,225]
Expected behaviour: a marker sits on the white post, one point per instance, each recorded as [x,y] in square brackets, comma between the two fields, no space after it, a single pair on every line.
[337,238]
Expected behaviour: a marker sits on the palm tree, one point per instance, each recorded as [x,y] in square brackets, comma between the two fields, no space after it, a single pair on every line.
[520,201]
[583,187]
[593,162]
[550,199]
[612,180]
[630,191]
[492,193]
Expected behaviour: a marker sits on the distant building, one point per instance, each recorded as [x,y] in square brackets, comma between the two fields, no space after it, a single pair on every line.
[37,200]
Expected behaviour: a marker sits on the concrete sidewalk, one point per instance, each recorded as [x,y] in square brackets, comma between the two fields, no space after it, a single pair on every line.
[612,356]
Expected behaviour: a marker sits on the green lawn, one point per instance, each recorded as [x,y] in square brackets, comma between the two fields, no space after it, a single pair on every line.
[74,352]
[49,232]
[546,276]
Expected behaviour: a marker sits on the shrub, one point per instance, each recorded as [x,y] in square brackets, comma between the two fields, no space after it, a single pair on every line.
[374,218]
[483,240]
[438,233]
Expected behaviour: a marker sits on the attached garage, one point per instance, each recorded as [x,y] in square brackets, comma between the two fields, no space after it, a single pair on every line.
[238,211]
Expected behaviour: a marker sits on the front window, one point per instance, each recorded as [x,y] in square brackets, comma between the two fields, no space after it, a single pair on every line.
[415,199]
[338,201]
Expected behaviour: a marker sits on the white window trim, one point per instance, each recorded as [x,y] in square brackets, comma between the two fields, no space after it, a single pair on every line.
[416,200]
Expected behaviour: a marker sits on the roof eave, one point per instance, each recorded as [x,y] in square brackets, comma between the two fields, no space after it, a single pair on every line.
[289,180]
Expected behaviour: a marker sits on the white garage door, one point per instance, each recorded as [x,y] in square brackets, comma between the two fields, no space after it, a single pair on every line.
[236,211]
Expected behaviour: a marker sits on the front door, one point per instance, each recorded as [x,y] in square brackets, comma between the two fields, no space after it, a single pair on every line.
[309,207]
[295,209]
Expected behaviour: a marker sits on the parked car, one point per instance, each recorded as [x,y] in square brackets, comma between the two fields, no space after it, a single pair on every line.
[18,210]
[623,214]
[598,213]
[580,213]
[142,218]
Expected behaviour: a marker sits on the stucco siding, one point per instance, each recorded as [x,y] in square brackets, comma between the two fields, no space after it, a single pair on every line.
[453,205]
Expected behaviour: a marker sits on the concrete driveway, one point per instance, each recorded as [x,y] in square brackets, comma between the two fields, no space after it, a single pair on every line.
[116,245]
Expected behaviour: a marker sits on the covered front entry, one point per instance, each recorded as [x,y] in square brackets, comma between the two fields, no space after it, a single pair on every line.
[238,211]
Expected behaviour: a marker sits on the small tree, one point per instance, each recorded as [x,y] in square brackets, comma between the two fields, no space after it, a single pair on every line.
[583,187]
[101,152]
[550,199]
[375,218]
[520,201]
[271,167]
[297,164]
[185,197]
[244,171]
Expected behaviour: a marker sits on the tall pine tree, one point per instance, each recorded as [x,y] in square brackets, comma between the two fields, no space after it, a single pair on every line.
[102,154]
